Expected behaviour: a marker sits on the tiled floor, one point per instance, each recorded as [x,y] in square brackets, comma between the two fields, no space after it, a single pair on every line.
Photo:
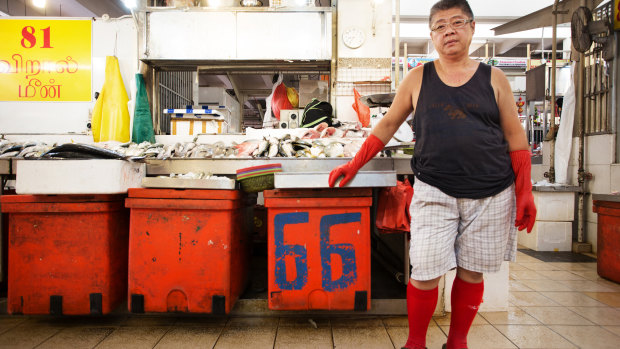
[552,305]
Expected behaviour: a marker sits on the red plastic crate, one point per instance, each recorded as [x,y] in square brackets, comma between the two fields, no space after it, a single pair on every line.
[608,239]
[67,253]
[319,249]
[188,250]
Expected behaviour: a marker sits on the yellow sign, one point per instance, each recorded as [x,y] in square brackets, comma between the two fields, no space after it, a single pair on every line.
[616,14]
[45,60]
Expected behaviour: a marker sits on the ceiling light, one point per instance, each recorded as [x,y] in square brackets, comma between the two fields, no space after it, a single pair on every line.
[38,3]
[130,4]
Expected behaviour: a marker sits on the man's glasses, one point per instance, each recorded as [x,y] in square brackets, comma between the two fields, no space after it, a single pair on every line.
[455,23]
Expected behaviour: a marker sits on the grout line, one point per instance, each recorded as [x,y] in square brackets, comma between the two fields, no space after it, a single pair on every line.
[14,326]
[331,331]
[500,332]
[106,336]
[48,338]
[221,332]
[163,335]
[275,338]
[568,340]
[388,333]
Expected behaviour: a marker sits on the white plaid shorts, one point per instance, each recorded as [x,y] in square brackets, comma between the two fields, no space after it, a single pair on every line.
[474,234]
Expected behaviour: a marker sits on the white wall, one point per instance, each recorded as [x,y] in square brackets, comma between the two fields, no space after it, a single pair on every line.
[108,37]
[359,14]
[599,161]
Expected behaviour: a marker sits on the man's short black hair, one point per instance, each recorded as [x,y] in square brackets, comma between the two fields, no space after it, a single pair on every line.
[450,4]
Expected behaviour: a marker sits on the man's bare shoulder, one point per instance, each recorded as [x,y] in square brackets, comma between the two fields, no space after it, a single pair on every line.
[497,74]
[413,80]
[416,73]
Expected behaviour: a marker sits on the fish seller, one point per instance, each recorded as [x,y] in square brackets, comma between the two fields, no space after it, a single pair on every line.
[472,172]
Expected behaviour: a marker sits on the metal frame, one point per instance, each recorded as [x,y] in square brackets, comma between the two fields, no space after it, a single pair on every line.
[239,65]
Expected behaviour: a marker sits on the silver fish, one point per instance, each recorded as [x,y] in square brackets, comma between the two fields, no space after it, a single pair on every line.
[273,147]
[286,149]
[262,147]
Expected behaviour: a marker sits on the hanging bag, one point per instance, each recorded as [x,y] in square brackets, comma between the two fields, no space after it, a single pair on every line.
[316,112]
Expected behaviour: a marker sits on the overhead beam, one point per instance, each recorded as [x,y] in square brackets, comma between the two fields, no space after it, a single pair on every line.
[114,8]
[506,45]
[544,17]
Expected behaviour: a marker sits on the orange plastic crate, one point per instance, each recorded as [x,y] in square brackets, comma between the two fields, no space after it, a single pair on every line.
[608,239]
[67,253]
[188,250]
[319,249]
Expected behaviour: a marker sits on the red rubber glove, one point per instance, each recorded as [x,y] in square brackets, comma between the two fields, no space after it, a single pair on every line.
[369,149]
[526,210]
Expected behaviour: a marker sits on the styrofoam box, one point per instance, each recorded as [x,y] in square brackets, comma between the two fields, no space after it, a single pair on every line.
[554,206]
[496,285]
[548,236]
[92,176]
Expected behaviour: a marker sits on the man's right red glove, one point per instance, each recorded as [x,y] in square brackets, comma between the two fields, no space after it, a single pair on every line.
[369,149]
[526,209]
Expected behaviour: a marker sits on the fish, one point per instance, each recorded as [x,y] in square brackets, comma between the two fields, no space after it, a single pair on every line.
[320,127]
[247,148]
[286,148]
[9,154]
[33,151]
[263,145]
[299,144]
[317,150]
[334,150]
[273,147]
[12,147]
[80,150]
[70,155]
[328,132]
[311,134]
[303,153]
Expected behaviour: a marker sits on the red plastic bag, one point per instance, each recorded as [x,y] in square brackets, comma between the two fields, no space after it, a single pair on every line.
[280,101]
[393,208]
[362,110]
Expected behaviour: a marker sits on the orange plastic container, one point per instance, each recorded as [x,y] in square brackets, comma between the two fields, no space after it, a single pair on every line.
[67,253]
[608,239]
[319,249]
[188,250]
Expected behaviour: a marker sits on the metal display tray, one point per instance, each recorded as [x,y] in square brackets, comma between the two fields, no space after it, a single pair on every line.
[188,183]
[300,180]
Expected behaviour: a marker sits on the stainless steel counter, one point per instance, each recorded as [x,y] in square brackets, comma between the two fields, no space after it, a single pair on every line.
[229,166]
[557,188]
[606,197]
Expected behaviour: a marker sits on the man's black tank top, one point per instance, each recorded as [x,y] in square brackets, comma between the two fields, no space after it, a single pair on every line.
[460,146]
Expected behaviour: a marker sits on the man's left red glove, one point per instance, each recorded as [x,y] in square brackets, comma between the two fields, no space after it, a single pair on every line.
[526,209]
[371,146]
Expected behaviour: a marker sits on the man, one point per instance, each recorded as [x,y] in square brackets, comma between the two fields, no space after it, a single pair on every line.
[471,162]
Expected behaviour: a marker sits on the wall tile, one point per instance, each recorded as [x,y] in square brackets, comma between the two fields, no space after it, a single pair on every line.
[599,149]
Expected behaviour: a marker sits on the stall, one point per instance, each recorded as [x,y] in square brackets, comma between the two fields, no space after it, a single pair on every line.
[200,139]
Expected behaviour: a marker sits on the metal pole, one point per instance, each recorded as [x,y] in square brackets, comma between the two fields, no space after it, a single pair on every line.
[554,45]
[334,62]
[529,53]
[397,47]
[581,216]
[406,62]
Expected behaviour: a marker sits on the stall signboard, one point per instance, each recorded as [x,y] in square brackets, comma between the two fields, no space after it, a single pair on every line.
[45,60]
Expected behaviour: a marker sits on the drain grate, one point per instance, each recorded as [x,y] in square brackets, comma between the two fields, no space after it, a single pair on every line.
[566,257]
